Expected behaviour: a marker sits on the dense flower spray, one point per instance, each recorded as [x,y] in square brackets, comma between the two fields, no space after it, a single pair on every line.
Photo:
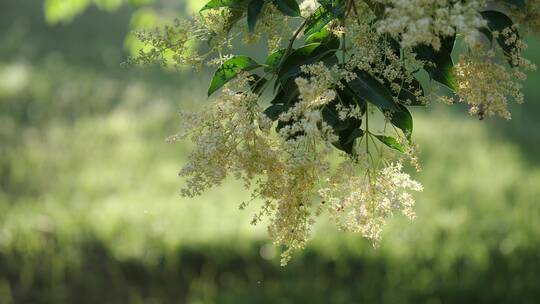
[342,76]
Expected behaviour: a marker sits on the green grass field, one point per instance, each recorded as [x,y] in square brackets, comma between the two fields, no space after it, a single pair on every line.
[90,210]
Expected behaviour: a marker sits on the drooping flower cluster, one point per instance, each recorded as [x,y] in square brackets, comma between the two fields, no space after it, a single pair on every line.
[486,85]
[363,203]
[343,83]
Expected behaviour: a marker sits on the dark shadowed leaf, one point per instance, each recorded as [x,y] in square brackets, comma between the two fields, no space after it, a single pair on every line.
[347,138]
[407,96]
[497,21]
[443,69]
[287,93]
[257,84]
[275,110]
[288,7]
[253,11]
[307,54]
[366,86]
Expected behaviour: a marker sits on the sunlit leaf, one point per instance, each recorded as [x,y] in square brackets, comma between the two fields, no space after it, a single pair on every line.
[318,20]
[390,142]
[229,70]
[225,3]
[273,60]
[326,37]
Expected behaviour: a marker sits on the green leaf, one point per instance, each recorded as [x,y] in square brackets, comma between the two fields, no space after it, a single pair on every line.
[497,21]
[253,11]
[366,86]
[326,37]
[390,142]
[402,119]
[318,20]
[224,3]
[288,7]
[273,60]
[443,71]
[328,11]
[335,7]
[229,70]
[307,54]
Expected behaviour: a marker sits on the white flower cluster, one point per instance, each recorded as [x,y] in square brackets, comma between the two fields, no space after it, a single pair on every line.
[426,21]
[308,7]
[363,203]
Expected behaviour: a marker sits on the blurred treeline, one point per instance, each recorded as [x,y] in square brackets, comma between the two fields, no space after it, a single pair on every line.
[90,211]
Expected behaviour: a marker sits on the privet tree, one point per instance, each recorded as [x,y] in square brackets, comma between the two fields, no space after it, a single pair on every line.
[321,124]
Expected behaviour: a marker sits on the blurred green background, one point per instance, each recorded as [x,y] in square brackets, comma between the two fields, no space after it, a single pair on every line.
[90,210]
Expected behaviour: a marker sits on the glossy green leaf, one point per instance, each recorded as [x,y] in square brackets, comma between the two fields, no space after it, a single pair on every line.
[326,37]
[366,86]
[390,142]
[317,21]
[229,70]
[273,60]
[288,7]
[253,11]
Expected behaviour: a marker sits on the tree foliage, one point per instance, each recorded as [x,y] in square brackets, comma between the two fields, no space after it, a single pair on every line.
[341,77]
